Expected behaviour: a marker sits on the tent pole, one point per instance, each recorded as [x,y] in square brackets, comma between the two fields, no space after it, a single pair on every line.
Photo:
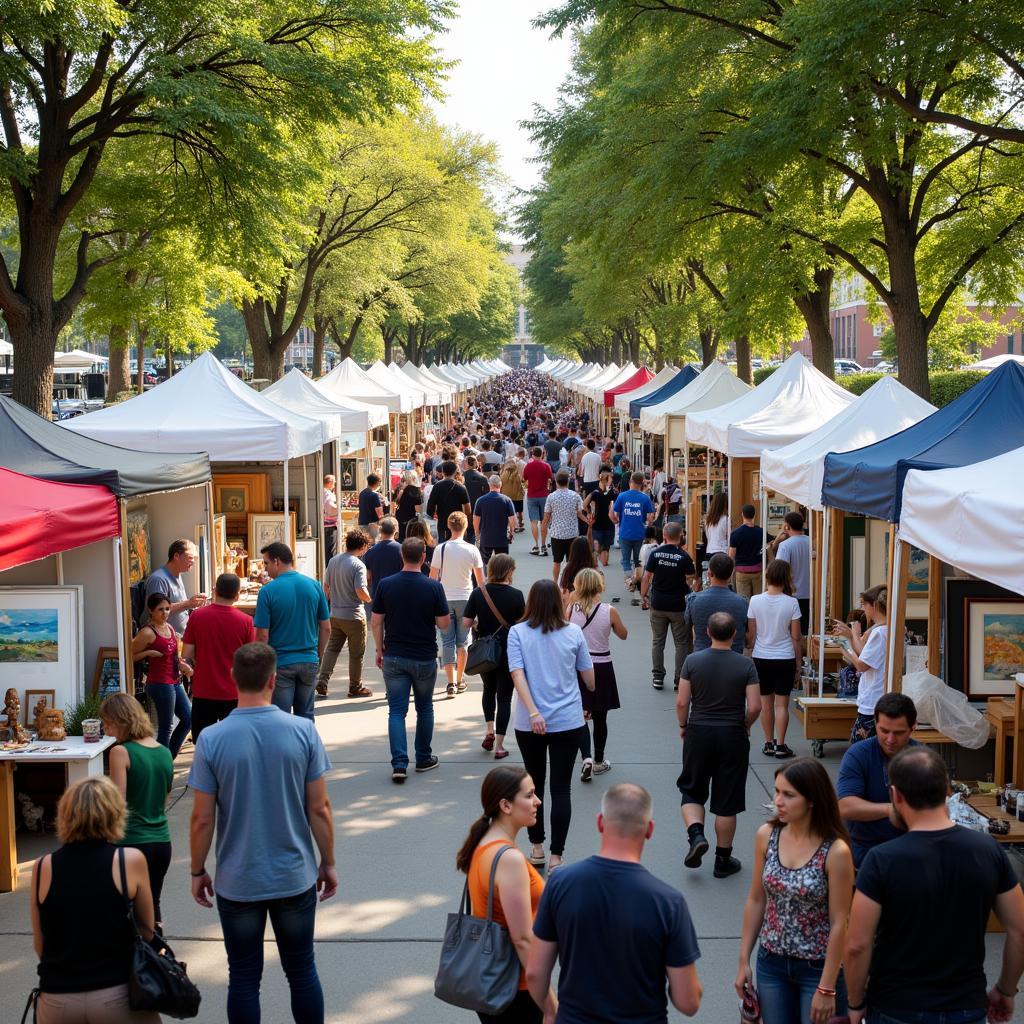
[287,533]
[60,568]
[212,577]
[895,599]
[764,527]
[728,488]
[305,497]
[318,470]
[115,548]
[825,534]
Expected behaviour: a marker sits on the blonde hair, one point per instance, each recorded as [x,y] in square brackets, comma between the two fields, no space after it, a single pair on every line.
[410,478]
[457,521]
[125,712]
[587,590]
[91,809]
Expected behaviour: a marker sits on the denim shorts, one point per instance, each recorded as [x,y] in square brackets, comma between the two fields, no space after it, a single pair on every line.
[603,538]
[535,508]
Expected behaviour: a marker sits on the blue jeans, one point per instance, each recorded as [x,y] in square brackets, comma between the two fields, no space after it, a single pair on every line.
[927,1017]
[170,701]
[456,635]
[403,676]
[786,985]
[292,919]
[630,553]
[294,688]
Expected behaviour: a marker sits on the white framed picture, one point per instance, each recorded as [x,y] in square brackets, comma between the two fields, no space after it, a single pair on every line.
[41,641]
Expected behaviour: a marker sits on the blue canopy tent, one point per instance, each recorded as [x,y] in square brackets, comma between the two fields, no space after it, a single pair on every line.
[667,390]
[982,423]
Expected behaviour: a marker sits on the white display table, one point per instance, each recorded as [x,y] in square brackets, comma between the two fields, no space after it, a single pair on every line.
[82,760]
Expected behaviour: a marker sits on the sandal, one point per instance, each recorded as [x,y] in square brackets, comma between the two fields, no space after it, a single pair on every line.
[537,862]
[488,743]
[499,754]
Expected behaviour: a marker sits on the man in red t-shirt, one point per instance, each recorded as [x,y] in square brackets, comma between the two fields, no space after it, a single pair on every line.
[210,642]
[538,477]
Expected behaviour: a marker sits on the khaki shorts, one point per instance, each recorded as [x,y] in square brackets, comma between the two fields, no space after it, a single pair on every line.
[101,1006]
[747,584]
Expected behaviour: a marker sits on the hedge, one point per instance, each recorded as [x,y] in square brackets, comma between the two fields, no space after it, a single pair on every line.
[945,384]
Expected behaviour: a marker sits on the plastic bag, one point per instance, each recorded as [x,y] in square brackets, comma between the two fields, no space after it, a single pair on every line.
[947,709]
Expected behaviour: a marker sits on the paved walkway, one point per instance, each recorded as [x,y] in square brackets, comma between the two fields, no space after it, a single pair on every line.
[378,939]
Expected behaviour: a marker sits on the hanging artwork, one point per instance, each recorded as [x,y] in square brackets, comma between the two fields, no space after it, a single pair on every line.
[347,474]
[984,639]
[28,635]
[266,528]
[106,678]
[139,552]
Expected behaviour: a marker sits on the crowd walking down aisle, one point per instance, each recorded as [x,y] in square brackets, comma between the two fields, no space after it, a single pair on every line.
[515,716]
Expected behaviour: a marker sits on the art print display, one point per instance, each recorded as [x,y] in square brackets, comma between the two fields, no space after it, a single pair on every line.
[984,639]
[140,557]
[106,678]
[347,474]
[235,495]
[36,702]
[267,528]
[41,640]
[917,568]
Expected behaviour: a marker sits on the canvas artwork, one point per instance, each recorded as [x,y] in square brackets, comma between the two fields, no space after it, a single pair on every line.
[917,568]
[347,474]
[107,676]
[266,528]
[29,635]
[139,553]
[1002,635]
[232,499]
[990,631]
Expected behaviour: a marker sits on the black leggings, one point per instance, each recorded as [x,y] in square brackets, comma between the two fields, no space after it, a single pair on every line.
[600,720]
[560,748]
[498,690]
[158,860]
[522,1010]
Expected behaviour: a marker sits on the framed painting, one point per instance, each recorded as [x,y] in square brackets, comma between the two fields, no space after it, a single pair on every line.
[220,543]
[349,477]
[139,551]
[984,638]
[41,640]
[917,568]
[235,495]
[266,528]
[36,701]
[277,505]
[106,677]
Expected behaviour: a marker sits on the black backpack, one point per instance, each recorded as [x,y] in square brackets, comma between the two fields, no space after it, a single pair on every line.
[137,593]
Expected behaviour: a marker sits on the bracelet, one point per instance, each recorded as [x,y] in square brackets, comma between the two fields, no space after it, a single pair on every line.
[199,873]
[826,991]
[535,714]
[1005,995]
[857,1008]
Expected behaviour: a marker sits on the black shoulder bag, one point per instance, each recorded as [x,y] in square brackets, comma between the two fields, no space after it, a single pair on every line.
[485,653]
[156,980]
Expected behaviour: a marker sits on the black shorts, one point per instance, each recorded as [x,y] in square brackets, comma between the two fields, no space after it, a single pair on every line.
[715,758]
[805,614]
[776,675]
[560,548]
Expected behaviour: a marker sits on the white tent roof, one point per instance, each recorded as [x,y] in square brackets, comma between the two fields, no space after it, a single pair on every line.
[431,392]
[663,376]
[428,375]
[205,408]
[595,389]
[573,371]
[792,402]
[714,386]
[797,470]
[297,392]
[349,380]
[969,516]
[398,382]
[444,390]
[560,367]
[457,373]
[994,362]
[77,359]
[596,372]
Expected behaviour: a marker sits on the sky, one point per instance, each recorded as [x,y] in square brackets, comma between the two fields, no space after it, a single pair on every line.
[505,67]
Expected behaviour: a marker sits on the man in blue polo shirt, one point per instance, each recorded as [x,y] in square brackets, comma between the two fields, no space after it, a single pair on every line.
[863,786]
[633,511]
[494,520]
[292,616]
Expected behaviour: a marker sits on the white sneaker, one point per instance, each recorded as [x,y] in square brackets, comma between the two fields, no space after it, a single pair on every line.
[602,766]
[588,769]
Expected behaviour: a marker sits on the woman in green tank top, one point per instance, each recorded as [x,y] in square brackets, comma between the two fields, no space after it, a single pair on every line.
[143,771]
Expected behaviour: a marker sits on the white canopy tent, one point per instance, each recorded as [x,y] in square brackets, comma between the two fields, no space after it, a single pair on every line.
[596,372]
[398,382]
[714,386]
[349,380]
[418,375]
[994,362]
[76,359]
[969,517]
[662,377]
[798,469]
[593,388]
[297,392]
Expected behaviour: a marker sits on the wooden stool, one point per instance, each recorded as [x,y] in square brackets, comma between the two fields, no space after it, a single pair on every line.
[1000,712]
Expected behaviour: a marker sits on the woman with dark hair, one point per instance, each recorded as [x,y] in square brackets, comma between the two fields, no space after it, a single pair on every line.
[545,653]
[418,528]
[159,644]
[867,654]
[799,901]
[773,632]
[581,556]
[597,504]
[716,525]
[497,685]
[510,803]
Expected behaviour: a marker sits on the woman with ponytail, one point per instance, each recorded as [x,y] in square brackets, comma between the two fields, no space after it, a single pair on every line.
[510,804]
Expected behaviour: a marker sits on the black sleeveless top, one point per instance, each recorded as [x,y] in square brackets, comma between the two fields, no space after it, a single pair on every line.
[87,940]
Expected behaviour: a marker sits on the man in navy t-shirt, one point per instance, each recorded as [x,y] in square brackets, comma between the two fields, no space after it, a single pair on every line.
[371,505]
[494,520]
[605,981]
[384,558]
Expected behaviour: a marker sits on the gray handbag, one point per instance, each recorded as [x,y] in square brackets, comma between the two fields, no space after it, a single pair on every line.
[479,968]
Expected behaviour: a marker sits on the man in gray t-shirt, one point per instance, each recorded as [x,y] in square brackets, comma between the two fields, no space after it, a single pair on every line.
[166,580]
[345,586]
[717,598]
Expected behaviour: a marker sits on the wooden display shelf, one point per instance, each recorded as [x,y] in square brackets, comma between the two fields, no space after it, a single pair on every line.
[985,803]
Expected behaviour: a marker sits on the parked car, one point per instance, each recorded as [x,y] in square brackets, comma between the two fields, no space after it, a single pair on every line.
[845,366]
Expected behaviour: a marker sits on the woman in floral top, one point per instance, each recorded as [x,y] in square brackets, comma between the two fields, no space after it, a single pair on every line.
[799,901]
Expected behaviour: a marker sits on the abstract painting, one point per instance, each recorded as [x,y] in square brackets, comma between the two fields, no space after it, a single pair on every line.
[139,552]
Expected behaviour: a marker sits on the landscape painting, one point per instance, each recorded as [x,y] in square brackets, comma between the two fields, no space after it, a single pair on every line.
[1004,645]
[994,646]
[28,635]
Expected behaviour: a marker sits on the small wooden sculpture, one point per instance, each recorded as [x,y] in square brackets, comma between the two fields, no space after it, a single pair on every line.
[12,708]
[50,724]
[40,707]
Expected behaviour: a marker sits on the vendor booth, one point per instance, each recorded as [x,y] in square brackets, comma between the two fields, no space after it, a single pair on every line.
[647,454]
[628,433]
[349,380]
[256,445]
[637,380]
[51,527]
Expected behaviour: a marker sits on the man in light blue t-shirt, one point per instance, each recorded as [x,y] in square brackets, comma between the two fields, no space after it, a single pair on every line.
[258,779]
[633,511]
[292,617]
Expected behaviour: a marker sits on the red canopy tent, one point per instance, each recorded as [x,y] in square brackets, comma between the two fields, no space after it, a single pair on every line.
[39,518]
[638,380]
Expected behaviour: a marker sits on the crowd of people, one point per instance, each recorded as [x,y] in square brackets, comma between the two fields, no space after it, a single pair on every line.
[866,902]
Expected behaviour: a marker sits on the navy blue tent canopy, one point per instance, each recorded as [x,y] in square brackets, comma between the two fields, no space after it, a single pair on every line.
[983,422]
[667,390]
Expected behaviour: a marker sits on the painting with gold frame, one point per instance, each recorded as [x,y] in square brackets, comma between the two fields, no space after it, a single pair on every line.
[220,543]
[266,528]
[138,544]
[235,495]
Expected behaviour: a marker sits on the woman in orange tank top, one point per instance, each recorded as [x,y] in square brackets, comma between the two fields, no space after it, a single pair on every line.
[510,804]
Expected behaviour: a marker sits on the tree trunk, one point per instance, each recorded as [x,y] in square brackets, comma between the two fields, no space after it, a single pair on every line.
[744,370]
[34,338]
[615,354]
[708,346]
[904,303]
[140,354]
[267,349]
[633,338]
[119,376]
[814,308]
[319,336]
